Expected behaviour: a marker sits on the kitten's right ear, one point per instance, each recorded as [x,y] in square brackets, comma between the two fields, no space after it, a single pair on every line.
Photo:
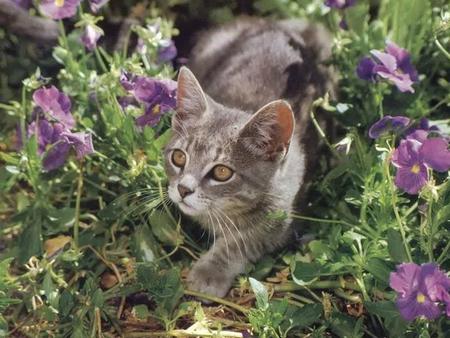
[191,100]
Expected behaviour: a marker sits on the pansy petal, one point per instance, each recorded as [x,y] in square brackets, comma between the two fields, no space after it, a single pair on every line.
[56,11]
[436,154]
[407,153]
[410,309]
[365,69]
[56,156]
[95,5]
[167,52]
[387,60]
[56,104]
[409,181]
[401,81]
[404,279]
[81,142]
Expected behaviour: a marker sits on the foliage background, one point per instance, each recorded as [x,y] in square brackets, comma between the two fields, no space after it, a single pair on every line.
[95,248]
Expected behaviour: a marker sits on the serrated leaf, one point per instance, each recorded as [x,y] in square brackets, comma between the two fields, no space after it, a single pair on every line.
[261,294]
[396,247]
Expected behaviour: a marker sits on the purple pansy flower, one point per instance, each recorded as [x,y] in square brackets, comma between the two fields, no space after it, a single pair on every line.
[90,36]
[59,9]
[95,5]
[56,104]
[420,289]
[167,52]
[387,124]
[365,69]
[157,96]
[25,4]
[394,65]
[412,158]
[340,4]
[52,124]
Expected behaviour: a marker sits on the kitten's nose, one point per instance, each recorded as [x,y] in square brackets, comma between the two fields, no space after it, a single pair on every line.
[184,191]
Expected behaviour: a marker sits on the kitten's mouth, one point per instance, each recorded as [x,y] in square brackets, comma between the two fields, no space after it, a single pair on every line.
[186,208]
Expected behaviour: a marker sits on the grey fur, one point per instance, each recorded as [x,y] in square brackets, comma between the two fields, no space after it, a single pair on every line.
[242,67]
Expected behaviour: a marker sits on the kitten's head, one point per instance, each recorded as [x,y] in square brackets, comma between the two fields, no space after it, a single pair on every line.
[222,160]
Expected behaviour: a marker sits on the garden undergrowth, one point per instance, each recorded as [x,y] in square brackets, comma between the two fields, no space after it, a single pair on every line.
[91,246]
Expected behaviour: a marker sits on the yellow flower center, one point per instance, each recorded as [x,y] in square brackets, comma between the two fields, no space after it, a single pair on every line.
[156,109]
[415,169]
[59,3]
[420,298]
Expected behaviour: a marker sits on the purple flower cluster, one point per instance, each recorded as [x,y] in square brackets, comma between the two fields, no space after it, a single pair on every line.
[167,52]
[52,124]
[157,96]
[63,9]
[59,9]
[339,4]
[421,290]
[421,149]
[90,36]
[394,65]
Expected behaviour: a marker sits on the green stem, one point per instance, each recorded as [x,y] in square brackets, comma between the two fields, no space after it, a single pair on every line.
[441,48]
[76,225]
[23,116]
[395,208]
[217,300]
[291,286]
[319,129]
[321,220]
[100,60]
[443,255]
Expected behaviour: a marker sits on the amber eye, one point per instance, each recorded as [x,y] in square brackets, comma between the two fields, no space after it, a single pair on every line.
[221,173]
[178,158]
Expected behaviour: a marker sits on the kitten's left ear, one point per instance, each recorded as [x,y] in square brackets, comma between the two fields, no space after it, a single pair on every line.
[269,131]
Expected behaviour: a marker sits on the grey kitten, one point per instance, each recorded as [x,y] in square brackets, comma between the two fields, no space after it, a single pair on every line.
[238,147]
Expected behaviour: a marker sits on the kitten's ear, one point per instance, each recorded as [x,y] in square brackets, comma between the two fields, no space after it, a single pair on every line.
[269,131]
[191,100]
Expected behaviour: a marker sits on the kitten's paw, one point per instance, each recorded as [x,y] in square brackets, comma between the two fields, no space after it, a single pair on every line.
[204,278]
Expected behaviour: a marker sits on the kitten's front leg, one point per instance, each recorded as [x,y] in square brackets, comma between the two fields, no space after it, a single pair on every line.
[215,271]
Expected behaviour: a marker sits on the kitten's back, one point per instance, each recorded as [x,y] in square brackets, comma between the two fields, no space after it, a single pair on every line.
[250,62]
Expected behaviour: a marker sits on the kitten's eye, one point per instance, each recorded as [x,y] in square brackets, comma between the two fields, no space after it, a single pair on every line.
[178,158]
[221,173]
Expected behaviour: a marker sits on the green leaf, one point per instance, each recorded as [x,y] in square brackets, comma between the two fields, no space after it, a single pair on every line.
[162,140]
[345,326]
[380,269]
[164,228]
[392,319]
[66,303]
[141,311]
[30,241]
[305,273]
[263,267]
[145,245]
[396,247]
[50,291]
[98,298]
[261,294]
[357,17]
[307,315]
[164,285]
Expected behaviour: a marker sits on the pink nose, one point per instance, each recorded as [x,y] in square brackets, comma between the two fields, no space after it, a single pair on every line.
[184,191]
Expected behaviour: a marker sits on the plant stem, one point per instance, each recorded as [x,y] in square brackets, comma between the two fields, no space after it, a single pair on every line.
[217,300]
[322,220]
[76,225]
[291,286]
[441,48]
[394,207]
[100,60]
